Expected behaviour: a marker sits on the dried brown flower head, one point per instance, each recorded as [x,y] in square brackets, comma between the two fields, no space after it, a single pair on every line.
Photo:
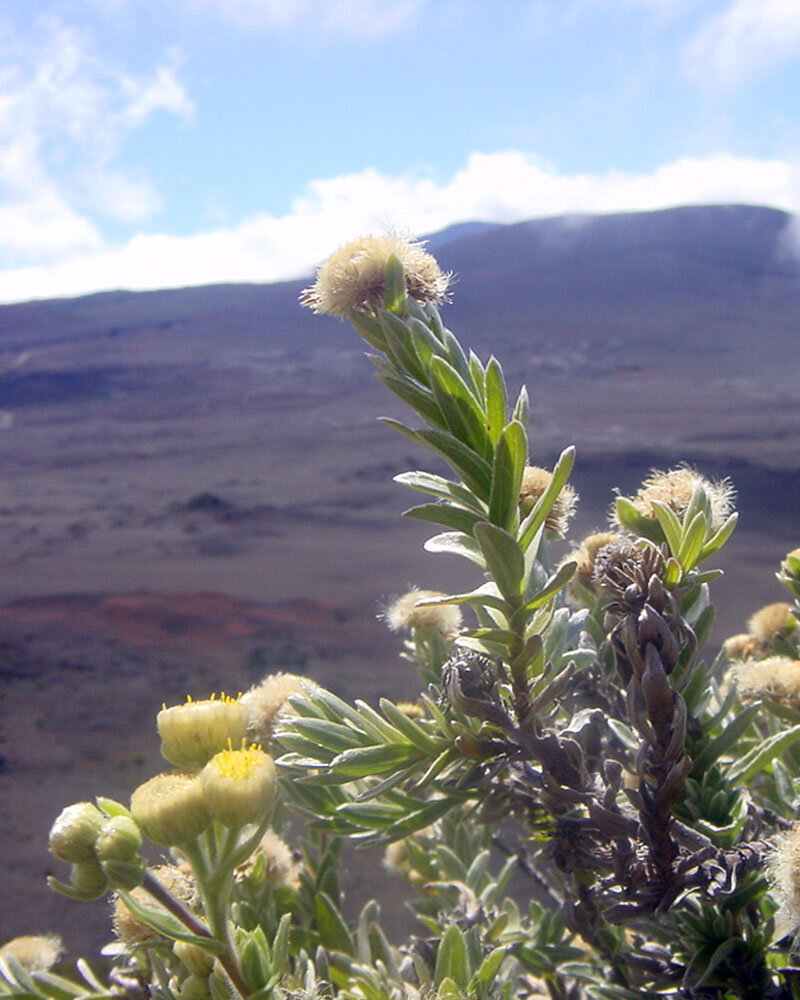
[266,701]
[355,276]
[772,620]
[675,488]
[585,555]
[776,677]
[535,481]
[34,952]
[405,613]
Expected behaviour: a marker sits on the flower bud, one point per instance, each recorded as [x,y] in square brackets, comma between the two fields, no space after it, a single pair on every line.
[239,785]
[197,960]
[73,835]
[125,875]
[192,733]
[119,839]
[89,879]
[170,808]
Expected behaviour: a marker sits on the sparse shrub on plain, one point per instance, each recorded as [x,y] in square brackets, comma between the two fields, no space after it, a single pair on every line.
[583,805]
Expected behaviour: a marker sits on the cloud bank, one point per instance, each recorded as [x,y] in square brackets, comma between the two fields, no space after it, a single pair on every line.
[498,187]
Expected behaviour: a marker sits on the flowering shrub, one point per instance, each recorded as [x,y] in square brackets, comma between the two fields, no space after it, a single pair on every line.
[584,805]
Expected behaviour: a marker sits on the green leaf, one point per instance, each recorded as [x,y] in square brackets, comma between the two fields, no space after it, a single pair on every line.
[504,559]
[510,456]
[168,925]
[451,959]
[331,735]
[482,597]
[423,817]
[412,731]
[730,735]
[522,408]
[534,521]
[760,756]
[488,968]
[416,396]
[496,399]
[693,538]
[456,543]
[459,407]
[362,762]
[438,486]
[447,515]
[670,525]
[394,296]
[474,470]
[701,966]
[553,585]
[332,928]
[367,327]
[719,539]
[630,518]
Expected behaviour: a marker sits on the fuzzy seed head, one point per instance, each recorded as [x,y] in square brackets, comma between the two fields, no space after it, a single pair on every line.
[266,703]
[193,732]
[776,677]
[535,481]
[675,488]
[744,646]
[783,874]
[177,880]
[404,613]
[280,865]
[239,785]
[771,621]
[34,952]
[170,808]
[354,277]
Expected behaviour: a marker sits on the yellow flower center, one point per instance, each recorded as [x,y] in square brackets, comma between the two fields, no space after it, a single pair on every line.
[238,765]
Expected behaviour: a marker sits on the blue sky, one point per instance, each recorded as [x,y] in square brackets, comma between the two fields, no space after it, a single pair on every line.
[157,143]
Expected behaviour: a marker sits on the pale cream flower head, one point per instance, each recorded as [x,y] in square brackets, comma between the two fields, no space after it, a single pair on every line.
[193,732]
[535,481]
[675,488]
[239,785]
[170,808]
[744,646]
[783,873]
[267,702]
[354,277]
[775,677]
[772,620]
[585,555]
[405,613]
[34,952]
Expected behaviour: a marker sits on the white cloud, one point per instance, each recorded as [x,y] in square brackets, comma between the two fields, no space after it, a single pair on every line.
[64,116]
[364,18]
[501,187]
[746,38]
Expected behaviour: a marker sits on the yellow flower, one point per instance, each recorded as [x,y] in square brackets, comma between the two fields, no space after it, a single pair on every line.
[535,481]
[355,276]
[405,612]
[239,785]
[34,952]
[266,701]
[192,733]
[170,808]
[675,488]
[73,835]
